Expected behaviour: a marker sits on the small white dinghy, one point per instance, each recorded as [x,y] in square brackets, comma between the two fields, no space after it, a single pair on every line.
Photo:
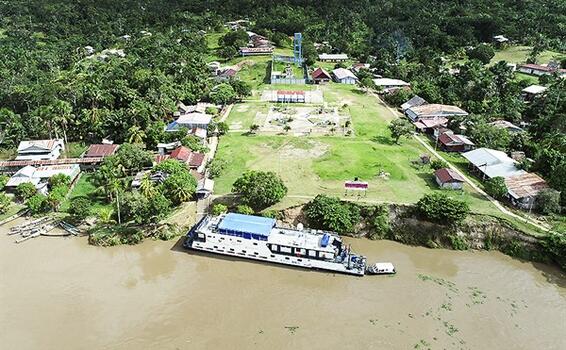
[380,269]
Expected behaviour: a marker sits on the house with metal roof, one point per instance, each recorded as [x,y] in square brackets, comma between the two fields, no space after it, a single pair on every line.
[428,125]
[190,121]
[39,176]
[451,142]
[40,149]
[320,76]
[449,179]
[504,124]
[522,190]
[390,85]
[538,69]
[344,76]
[100,150]
[434,110]
[492,163]
[415,101]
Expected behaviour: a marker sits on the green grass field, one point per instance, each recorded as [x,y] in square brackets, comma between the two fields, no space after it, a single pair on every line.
[518,54]
[85,188]
[314,165]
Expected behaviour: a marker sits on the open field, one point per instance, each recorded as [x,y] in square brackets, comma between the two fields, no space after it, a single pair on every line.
[85,188]
[518,54]
[314,165]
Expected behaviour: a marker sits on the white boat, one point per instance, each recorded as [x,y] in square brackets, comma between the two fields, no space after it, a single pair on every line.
[381,269]
[258,238]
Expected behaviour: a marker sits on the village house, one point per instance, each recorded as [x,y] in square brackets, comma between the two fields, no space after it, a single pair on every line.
[415,101]
[358,67]
[344,76]
[333,57]
[40,149]
[214,67]
[500,40]
[190,120]
[192,160]
[522,190]
[538,69]
[492,163]
[224,75]
[321,76]
[389,85]
[429,125]
[451,142]
[40,176]
[504,124]
[449,179]
[532,91]
[100,150]
[434,110]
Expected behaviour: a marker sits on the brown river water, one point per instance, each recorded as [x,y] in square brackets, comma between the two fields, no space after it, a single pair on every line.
[61,293]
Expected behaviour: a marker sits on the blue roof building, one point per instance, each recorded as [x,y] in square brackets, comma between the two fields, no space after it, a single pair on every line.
[246,226]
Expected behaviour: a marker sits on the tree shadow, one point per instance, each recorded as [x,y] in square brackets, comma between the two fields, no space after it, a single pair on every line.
[384,140]
[267,77]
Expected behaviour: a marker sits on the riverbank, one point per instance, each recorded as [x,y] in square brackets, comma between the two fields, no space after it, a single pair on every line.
[477,232]
[62,293]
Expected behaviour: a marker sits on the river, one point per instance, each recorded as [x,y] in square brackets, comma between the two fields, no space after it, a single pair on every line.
[61,293]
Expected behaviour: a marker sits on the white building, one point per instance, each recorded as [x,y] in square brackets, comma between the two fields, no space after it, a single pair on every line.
[337,57]
[344,76]
[40,149]
[40,176]
[389,85]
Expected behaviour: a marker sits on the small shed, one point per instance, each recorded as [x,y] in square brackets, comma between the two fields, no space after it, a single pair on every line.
[449,179]
[101,150]
[451,142]
[523,189]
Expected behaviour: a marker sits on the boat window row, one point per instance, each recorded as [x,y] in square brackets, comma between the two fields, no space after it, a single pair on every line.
[295,251]
[245,235]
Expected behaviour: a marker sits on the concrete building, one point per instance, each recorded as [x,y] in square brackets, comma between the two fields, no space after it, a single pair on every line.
[333,57]
[390,85]
[344,76]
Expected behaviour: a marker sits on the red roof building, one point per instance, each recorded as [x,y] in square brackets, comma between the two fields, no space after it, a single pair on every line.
[451,142]
[448,178]
[100,151]
[321,76]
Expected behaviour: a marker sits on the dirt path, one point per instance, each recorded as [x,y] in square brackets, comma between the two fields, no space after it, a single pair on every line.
[498,205]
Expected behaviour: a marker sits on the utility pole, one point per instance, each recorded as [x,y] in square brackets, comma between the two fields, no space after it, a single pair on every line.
[118,206]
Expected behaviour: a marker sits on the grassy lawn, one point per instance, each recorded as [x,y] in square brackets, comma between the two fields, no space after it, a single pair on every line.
[243,115]
[518,54]
[74,149]
[85,188]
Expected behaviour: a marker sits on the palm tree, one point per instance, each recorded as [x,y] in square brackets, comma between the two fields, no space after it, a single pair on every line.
[136,135]
[147,188]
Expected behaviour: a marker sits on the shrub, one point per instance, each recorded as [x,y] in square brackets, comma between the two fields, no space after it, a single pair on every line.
[142,210]
[484,53]
[5,203]
[26,190]
[330,213]
[59,180]
[260,189]
[244,209]
[458,243]
[548,201]
[3,180]
[440,208]
[80,208]
[555,244]
[496,187]
[215,167]
[272,214]
[171,167]
[179,187]
[37,203]
[436,164]
[381,226]
[218,209]
[56,196]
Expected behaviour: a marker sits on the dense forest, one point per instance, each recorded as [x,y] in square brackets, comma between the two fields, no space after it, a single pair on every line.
[86,70]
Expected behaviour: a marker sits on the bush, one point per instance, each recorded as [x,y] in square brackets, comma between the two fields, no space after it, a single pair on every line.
[496,187]
[484,53]
[329,213]
[218,209]
[555,245]
[260,189]
[440,208]
[458,243]
[194,143]
[222,128]
[59,180]
[37,204]
[56,196]
[222,94]
[171,167]
[215,167]
[244,209]
[436,164]
[179,187]
[142,210]
[380,223]
[26,190]
[3,181]
[5,203]
[548,201]
[272,214]
[80,208]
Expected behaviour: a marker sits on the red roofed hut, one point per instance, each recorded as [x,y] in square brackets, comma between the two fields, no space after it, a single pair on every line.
[448,178]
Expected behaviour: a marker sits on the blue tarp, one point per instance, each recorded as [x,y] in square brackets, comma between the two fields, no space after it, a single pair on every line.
[246,224]
[173,126]
[324,241]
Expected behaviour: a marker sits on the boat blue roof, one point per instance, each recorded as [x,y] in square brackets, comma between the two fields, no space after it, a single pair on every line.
[247,223]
